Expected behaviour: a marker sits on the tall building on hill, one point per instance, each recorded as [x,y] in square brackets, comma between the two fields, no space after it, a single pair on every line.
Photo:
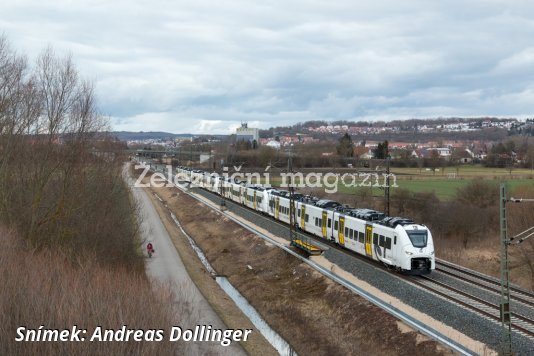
[247,133]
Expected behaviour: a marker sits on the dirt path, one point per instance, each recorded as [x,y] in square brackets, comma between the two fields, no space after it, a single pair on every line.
[167,267]
[219,302]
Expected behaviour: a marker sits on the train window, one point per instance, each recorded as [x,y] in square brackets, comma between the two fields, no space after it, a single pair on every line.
[381,241]
[361,236]
[351,234]
[375,239]
[418,237]
[395,240]
[346,231]
[298,213]
[388,243]
[306,218]
[329,223]
[316,222]
[320,222]
[335,225]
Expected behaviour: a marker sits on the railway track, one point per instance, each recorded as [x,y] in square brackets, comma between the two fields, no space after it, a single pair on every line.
[483,281]
[521,324]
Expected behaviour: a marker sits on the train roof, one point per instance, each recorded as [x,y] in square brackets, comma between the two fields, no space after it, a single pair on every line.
[366,214]
[393,221]
[327,204]
[286,194]
[360,213]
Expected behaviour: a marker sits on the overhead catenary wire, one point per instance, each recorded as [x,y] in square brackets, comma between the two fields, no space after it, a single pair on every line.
[522,238]
[518,236]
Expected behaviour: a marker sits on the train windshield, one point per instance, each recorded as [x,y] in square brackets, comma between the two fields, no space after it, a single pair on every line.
[418,237]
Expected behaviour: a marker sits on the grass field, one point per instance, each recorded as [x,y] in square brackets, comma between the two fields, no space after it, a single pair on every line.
[444,189]
[443,183]
[465,171]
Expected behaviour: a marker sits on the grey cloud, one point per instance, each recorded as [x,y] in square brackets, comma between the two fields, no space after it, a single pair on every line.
[204,65]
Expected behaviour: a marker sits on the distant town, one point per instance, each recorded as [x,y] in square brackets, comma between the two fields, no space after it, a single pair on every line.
[452,140]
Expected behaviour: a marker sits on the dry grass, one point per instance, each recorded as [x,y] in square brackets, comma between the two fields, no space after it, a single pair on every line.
[46,288]
[483,251]
[316,316]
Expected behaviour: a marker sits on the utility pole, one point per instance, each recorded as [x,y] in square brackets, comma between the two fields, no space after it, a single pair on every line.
[292,217]
[221,192]
[386,190]
[191,155]
[506,314]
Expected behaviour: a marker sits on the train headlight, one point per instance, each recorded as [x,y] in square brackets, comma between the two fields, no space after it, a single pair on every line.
[408,253]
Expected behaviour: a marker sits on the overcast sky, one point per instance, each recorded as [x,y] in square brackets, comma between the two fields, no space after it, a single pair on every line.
[204,66]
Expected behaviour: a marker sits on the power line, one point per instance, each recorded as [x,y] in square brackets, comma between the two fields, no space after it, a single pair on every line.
[506,314]
[523,238]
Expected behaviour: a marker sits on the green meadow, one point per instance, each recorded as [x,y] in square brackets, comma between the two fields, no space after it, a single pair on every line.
[443,183]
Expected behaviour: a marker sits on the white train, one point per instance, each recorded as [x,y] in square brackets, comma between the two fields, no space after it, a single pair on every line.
[399,243]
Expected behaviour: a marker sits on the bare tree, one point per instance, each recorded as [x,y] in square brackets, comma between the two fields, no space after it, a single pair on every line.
[19,110]
[66,121]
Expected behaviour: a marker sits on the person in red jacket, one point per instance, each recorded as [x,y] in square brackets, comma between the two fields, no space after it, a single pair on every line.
[149,249]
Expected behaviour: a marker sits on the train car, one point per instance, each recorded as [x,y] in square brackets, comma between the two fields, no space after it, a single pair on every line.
[412,248]
[310,219]
[250,197]
[386,239]
[261,202]
[228,189]
[279,205]
[213,183]
[398,242]
[237,192]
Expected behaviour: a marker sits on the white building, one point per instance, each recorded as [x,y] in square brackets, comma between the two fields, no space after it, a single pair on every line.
[274,144]
[443,151]
[247,133]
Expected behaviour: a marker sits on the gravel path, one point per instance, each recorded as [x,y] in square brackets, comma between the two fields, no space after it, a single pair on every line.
[167,268]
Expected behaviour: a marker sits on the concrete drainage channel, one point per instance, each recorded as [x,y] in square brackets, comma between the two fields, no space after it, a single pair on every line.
[268,333]
[272,336]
